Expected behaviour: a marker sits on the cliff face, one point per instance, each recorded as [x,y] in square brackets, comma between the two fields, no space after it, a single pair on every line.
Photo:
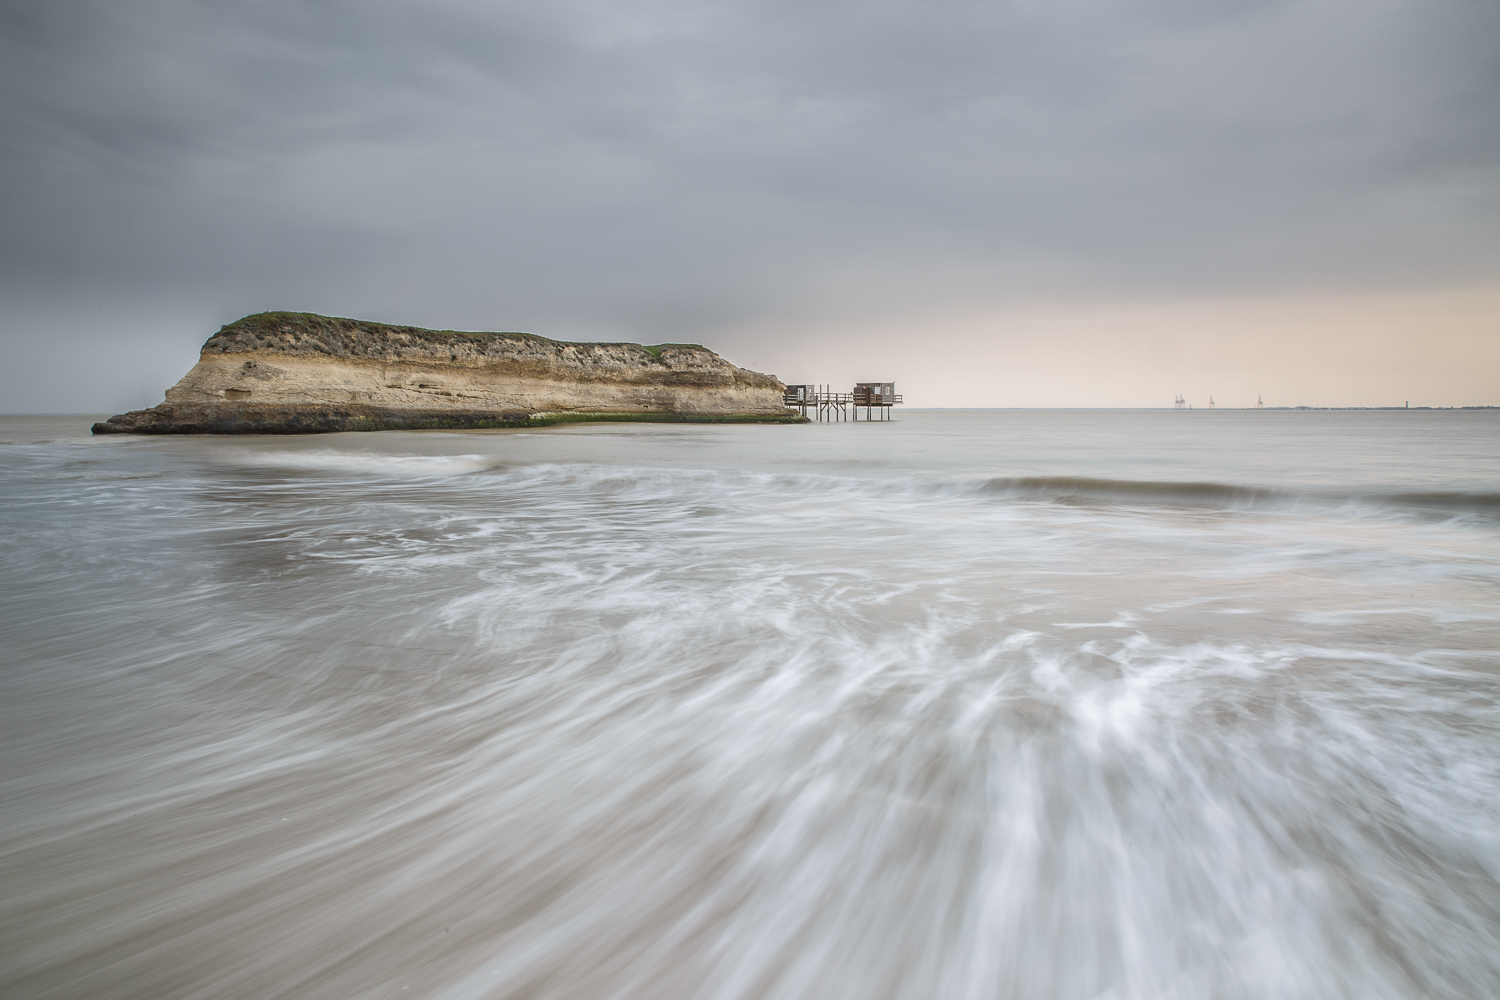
[297,373]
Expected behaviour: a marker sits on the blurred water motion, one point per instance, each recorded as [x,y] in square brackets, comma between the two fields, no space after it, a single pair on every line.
[962,706]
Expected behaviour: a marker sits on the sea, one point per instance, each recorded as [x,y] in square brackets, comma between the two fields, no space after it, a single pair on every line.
[966,705]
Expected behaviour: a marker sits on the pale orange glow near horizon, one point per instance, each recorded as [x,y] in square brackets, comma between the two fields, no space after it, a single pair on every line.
[1429,348]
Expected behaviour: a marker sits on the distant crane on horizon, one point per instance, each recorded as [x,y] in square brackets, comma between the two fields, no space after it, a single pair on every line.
[1179,401]
[1210,402]
[1260,404]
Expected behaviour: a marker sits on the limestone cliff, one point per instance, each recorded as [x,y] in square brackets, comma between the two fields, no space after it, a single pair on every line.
[288,373]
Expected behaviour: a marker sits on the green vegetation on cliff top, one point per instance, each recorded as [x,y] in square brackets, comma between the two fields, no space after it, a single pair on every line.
[297,324]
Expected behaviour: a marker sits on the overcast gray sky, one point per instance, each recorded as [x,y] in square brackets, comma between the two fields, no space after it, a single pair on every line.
[1081,202]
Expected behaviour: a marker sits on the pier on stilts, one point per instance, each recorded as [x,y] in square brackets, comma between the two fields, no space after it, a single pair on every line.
[824,404]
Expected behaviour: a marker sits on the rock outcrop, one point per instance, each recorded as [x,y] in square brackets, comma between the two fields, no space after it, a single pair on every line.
[291,373]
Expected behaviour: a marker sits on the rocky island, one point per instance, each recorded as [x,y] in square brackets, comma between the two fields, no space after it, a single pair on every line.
[297,373]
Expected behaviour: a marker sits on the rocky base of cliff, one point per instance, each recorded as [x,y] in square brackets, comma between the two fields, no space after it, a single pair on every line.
[232,418]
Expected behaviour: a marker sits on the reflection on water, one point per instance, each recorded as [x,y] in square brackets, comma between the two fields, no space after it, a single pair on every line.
[666,712]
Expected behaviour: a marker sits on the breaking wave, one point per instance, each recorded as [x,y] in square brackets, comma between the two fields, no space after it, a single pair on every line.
[1074,489]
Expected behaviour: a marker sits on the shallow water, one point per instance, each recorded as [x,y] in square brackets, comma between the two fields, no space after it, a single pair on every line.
[988,704]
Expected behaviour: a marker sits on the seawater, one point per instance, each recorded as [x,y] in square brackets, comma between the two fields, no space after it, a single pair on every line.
[1026,705]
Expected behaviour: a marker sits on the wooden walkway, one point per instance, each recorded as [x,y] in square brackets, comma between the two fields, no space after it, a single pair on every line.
[819,402]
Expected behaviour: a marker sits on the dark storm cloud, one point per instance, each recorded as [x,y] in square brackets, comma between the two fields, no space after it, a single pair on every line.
[637,167]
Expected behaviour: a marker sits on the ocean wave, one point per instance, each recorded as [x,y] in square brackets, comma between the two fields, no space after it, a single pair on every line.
[370,463]
[1487,504]
[1061,488]
[1081,490]
[1084,489]
[658,481]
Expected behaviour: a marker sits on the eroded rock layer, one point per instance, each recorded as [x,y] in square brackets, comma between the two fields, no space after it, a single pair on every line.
[289,373]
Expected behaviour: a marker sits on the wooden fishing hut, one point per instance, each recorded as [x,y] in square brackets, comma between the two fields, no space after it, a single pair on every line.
[821,402]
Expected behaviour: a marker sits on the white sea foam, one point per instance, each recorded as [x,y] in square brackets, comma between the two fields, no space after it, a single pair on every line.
[297,719]
[356,463]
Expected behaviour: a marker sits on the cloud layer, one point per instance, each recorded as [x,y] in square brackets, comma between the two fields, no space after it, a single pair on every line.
[643,169]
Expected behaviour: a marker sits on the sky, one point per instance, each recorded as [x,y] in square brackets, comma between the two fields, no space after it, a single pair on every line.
[1067,203]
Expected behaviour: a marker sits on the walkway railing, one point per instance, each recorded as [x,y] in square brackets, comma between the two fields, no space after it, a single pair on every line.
[826,405]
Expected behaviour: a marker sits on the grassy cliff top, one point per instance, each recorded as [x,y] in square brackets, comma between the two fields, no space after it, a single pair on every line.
[309,333]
